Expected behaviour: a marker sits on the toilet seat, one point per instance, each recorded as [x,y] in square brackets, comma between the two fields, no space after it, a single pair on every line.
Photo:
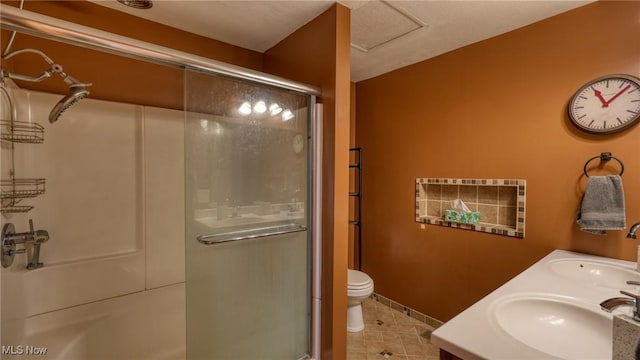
[357,280]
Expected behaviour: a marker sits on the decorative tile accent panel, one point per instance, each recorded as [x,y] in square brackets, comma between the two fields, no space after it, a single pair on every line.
[407,311]
[501,203]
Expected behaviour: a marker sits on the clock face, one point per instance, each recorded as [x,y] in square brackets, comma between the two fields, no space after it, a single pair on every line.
[607,104]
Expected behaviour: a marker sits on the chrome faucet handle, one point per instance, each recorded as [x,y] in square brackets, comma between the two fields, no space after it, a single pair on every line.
[8,250]
[9,238]
[635,296]
[636,309]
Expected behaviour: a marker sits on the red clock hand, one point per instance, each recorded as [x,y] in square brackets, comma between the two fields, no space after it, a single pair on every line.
[599,96]
[619,93]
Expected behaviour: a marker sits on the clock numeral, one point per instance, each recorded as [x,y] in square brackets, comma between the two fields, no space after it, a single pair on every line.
[620,121]
[637,100]
[582,117]
[591,123]
[631,111]
[604,126]
[621,84]
[582,107]
[635,89]
[582,97]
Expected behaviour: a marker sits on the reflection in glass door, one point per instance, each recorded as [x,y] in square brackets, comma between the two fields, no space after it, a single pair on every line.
[247,216]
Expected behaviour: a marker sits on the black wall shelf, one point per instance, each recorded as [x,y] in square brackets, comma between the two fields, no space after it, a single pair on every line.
[356,156]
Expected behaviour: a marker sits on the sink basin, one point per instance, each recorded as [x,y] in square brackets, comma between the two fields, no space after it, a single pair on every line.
[594,273]
[555,325]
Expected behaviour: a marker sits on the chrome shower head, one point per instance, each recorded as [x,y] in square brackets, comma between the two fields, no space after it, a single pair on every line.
[77,91]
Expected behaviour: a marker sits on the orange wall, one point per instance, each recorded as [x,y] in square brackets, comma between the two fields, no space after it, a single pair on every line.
[318,53]
[494,109]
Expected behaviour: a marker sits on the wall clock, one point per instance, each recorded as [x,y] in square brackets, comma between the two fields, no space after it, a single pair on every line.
[607,104]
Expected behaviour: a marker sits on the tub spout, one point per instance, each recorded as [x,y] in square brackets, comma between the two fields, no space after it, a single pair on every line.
[39,237]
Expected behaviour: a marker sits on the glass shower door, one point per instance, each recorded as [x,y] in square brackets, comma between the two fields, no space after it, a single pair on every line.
[247,215]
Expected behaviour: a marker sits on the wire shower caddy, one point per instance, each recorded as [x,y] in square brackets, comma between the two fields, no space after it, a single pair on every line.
[14,190]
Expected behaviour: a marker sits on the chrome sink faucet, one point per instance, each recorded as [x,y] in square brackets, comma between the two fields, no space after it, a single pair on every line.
[634,300]
[632,231]
[632,235]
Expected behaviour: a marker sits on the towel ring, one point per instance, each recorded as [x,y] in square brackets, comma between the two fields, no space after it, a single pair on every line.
[605,156]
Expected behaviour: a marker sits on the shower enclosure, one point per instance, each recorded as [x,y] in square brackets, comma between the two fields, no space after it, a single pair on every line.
[247,219]
[251,198]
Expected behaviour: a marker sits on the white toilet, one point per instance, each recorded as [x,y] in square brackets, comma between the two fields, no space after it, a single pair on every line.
[360,286]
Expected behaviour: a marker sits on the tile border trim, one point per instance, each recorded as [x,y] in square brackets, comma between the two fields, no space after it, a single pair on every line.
[519,184]
[434,323]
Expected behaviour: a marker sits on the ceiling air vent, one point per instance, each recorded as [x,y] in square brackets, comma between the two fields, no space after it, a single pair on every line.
[378,22]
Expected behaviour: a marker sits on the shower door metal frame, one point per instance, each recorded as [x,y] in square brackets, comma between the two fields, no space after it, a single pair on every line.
[31,23]
[47,27]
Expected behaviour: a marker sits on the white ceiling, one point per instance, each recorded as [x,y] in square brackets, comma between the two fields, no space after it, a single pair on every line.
[432,27]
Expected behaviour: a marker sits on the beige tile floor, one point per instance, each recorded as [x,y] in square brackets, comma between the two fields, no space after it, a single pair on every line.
[390,334]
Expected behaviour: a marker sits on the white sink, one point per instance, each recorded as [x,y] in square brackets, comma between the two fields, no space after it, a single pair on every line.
[594,273]
[555,325]
[550,310]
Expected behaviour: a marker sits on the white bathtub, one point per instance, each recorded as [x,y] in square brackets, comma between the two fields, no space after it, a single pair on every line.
[112,285]
[140,326]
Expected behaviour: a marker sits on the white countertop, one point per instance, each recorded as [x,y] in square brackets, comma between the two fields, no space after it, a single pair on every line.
[475,333]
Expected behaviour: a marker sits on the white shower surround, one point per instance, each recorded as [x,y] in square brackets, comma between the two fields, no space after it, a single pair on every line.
[114,207]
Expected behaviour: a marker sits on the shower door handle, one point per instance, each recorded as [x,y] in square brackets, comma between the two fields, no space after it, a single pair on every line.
[248,234]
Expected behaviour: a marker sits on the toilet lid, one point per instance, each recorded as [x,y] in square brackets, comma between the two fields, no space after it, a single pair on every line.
[358,279]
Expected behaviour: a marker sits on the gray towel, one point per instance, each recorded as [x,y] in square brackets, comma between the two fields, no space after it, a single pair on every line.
[602,205]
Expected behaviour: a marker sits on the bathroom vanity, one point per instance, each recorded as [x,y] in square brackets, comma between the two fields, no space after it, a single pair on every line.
[549,311]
